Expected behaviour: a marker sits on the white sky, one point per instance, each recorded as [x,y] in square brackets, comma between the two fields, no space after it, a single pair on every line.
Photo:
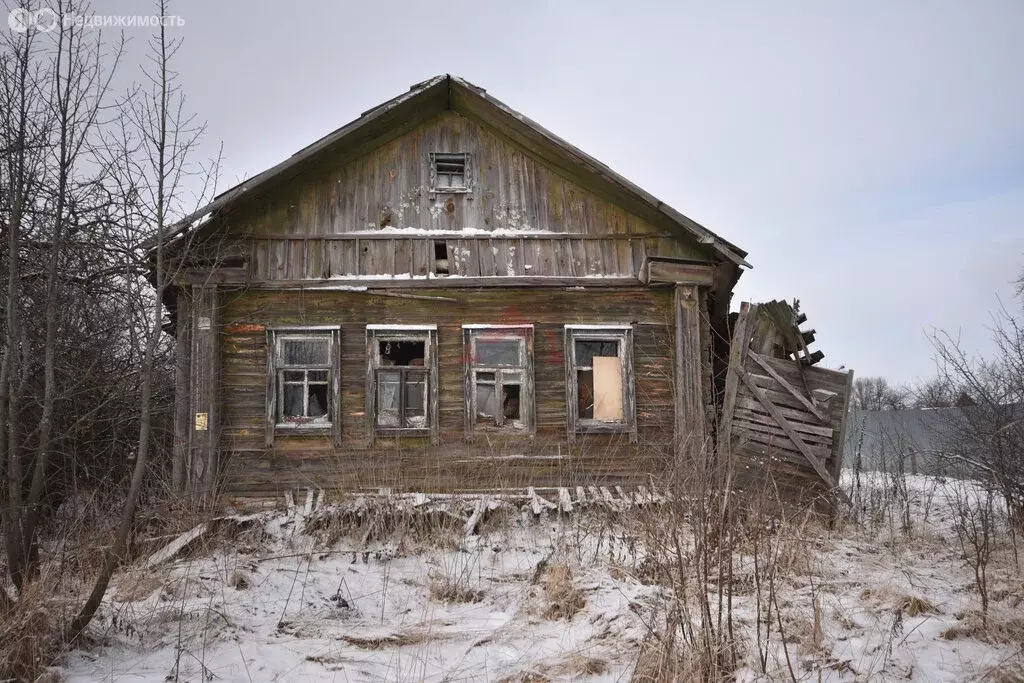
[869,155]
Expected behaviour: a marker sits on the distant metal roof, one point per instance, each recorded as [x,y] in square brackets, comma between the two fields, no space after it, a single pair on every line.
[454,93]
[880,438]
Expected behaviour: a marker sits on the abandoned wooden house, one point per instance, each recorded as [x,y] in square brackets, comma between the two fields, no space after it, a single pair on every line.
[443,295]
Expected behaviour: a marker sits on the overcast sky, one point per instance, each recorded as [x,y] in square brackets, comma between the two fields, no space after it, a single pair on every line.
[869,155]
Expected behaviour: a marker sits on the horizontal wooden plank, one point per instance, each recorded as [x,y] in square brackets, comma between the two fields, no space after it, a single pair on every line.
[764,423]
[656,270]
[461,282]
[754,411]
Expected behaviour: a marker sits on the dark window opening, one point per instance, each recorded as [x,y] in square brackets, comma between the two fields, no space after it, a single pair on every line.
[586,349]
[441,257]
[402,353]
[585,393]
[510,402]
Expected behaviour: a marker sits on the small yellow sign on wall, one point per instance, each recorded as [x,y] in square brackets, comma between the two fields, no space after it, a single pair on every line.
[202,421]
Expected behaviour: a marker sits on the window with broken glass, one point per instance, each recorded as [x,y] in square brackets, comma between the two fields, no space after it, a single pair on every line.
[599,378]
[401,370]
[499,377]
[303,379]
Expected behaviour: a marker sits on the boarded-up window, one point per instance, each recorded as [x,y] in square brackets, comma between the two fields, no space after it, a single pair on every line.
[599,378]
[607,388]
[499,377]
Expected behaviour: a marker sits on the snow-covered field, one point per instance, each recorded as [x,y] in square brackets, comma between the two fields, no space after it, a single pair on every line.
[290,598]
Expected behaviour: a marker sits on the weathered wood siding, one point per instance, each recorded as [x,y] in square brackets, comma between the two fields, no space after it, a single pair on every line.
[490,461]
[291,258]
[390,187]
[766,454]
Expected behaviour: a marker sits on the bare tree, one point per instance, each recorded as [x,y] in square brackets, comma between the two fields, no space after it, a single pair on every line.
[875,393]
[985,439]
[78,85]
[153,162]
[934,393]
[24,128]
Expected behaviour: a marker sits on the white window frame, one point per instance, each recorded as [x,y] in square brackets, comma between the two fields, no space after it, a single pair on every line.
[623,334]
[401,333]
[275,379]
[524,368]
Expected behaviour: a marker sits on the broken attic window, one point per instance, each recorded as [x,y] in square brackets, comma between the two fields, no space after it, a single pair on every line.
[449,171]
[441,257]
[303,380]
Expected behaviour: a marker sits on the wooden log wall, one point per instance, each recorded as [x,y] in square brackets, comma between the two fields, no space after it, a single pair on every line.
[491,461]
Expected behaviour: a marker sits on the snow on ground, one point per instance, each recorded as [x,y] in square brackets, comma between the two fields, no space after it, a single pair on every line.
[558,600]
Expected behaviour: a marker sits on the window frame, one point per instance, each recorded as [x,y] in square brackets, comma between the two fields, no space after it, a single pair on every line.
[527,416]
[467,183]
[623,335]
[275,380]
[402,333]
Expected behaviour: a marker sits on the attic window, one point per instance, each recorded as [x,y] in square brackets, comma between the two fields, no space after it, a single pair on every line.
[449,172]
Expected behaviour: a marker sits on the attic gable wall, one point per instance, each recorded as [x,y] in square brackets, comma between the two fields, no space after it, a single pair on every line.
[389,188]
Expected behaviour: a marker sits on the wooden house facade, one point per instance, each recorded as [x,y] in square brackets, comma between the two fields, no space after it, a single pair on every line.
[442,295]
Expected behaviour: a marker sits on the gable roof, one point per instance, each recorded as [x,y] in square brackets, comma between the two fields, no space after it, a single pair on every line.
[446,92]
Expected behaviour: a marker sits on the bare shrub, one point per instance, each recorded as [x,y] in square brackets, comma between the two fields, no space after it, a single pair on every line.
[985,435]
[665,658]
[974,519]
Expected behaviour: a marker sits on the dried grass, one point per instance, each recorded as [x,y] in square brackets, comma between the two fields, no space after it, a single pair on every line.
[30,634]
[564,600]
[914,606]
[446,587]
[1010,672]
[391,640]
[998,628]
[663,660]
[137,586]
[525,677]
[576,665]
